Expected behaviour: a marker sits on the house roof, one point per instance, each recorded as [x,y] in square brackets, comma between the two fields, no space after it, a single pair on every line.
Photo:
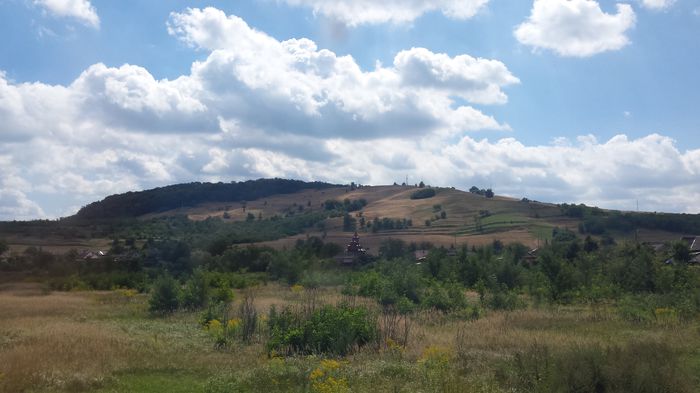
[693,242]
[421,254]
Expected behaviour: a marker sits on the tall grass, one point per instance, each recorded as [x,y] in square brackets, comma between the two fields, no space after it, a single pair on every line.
[77,342]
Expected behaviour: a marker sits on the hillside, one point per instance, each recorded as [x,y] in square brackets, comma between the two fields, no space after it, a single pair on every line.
[470,218]
[279,212]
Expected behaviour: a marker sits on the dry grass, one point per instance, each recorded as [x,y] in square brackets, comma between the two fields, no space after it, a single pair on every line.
[75,342]
[46,340]
[55,245]
[64,355]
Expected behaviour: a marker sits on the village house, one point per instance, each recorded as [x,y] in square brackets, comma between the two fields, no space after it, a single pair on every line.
[88,255]
[693,243]
[420,255]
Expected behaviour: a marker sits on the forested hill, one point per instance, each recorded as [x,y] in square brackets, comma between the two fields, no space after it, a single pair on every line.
[132,204]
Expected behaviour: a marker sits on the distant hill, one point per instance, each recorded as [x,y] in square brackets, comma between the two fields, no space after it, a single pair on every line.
[279,212]
[133,204]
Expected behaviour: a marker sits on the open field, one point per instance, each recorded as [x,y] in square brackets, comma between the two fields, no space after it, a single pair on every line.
[107,342]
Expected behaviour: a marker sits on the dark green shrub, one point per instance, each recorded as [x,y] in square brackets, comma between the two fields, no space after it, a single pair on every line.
[444,298]
[423,193]
[196,293]
[503,299]
[333,330]
[222,294]
[165,295]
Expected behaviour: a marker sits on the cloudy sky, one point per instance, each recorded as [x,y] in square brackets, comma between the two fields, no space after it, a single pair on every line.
[555,100]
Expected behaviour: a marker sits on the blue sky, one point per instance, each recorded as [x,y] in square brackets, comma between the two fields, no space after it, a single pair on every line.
[600,108]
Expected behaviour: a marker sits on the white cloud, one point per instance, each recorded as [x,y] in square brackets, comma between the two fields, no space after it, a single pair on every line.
[259,107]
[576,28]
[81,10]
[357,12]
[657,4]
[294,87]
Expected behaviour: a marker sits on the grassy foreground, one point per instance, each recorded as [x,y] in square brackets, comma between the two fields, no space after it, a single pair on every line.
[107,342]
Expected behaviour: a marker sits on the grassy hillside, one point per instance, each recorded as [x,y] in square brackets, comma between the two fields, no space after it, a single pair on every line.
[280,212]
[468,218]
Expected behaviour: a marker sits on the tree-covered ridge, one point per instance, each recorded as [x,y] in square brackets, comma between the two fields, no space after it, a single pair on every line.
[132,204]
[597,221]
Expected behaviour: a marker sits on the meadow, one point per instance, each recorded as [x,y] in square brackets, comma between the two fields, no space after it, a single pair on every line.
[107,341]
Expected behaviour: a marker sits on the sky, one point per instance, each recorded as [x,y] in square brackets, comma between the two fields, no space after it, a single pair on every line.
[576,101]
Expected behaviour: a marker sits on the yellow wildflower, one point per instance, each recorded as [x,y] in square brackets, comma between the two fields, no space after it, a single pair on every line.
[330,364]
[316,374]
[213,325]
[435,356]
[233,324]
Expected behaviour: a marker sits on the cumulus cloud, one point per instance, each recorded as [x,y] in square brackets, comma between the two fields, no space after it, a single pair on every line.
[255,106]
[294,87]
[575,28]
[657,4]
[357,12]
[81,10]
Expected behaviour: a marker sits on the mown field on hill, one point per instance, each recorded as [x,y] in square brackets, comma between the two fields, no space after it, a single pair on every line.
[506,219]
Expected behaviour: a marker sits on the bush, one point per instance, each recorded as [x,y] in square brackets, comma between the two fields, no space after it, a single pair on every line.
[503,299]
[333,330]
[444,298]
[165,295]
[196,292]
[423,193]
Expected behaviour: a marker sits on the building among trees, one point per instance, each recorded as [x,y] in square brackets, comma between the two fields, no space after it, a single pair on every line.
[353,251]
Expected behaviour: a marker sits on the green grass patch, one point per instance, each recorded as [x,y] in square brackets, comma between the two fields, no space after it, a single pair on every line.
[542,232]
[156,381]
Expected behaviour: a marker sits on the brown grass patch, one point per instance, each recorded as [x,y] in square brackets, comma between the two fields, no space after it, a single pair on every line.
[70,355]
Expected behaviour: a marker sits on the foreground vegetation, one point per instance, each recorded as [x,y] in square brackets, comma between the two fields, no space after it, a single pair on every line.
[577,315]
[109,342]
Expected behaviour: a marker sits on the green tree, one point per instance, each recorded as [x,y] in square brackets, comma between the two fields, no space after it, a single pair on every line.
[349,223]
[196,292]
[3,246]
[165,295]
[681,252]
